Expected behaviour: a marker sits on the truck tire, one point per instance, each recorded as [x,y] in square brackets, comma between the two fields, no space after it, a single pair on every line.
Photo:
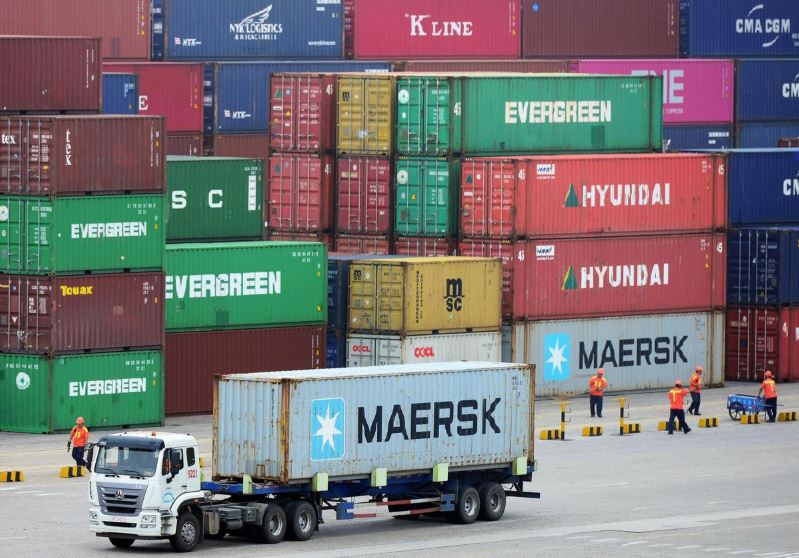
[187,533]
[301,518]
[120,543]
[467,506]
[273,526]
[492,501]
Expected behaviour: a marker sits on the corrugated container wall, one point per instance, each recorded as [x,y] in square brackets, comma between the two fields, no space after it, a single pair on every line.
[763,266]
[425,246]
[694,91]
[236,29]
[763,187]
[615,276]
[55,155]
[601,28]
[251,146]
[503,249]
[413,29]
[425,295]
[215,198]
[685,138]
[185,145]
[349,28]
[364,195]
[303,108]
[338,287]
[764,135]
[336,349]
[760,339]
[381,350]
[766,90]
[81,234]
[122,25]
[120,93]
[426,191]
[193,359]
[324,238]
[428,116]
[50,74]
[301,192]
[238,285]
[738,28]
[494,65]
[637,352]
[49,315]
[363,244]
[502,393]
[575,195]
[365,115]
[44,395]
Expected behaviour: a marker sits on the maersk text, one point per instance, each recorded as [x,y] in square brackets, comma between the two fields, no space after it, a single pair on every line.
[623,276]
[557,112]
[108,230]
[222,285]
[107,387]
[626,194]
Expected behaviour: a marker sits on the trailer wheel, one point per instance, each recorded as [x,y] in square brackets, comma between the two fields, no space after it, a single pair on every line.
[120,543]
[736,411]
[273,527]
[301,517]
[467,507]
[492,501]
[187,534]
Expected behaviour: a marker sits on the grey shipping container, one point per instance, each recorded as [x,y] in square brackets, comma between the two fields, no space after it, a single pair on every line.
[289,426]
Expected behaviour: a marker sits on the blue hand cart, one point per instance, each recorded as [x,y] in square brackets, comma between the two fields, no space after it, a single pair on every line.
[739,405]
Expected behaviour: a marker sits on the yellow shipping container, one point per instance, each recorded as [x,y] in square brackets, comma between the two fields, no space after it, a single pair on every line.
[425,295]
[365,114]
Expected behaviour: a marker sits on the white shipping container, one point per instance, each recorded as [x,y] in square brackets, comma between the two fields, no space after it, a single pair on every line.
[637,352]
[378,350]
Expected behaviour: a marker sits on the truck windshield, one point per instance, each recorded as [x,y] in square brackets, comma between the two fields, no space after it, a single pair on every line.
[133,462]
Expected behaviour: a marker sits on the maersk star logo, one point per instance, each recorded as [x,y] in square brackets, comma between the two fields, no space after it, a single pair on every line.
[556,354]
[327,429]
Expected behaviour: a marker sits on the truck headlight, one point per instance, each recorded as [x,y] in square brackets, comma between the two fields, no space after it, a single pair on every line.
[148,520]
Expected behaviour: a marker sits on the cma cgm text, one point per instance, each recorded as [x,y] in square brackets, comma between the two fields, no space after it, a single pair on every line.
[223,285]
[557,112]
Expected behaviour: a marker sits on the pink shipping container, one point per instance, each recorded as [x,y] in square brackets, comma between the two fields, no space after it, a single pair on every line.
[504,250]
[54,155]
[364,195]
[760,339]
[169,89]
[438,29]
[363,244]
[249,146]
[601,28]
[184,144]
[424,246]
[498,65]
[49,74]
[569,195]
[303,109]
[47,315]
[123,25]
[694,91]
[193,359]
[593,277]
[301,192]
[324,238]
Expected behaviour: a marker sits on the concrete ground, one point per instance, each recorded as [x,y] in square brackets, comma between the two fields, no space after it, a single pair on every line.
[727,491]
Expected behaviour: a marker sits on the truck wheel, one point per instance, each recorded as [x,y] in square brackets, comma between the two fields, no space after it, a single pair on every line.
[273,526]
[121,543]
[187,534]
[301,517]
[492,501]
[467,507]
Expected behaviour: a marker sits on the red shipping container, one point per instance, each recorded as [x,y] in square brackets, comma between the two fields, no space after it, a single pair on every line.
[364,195]
[510,66]
[124,26]
[324,238]
[53,155]
[495,249]
[193,359]
[300,192]
[184,144]
[50,74]
[601,29]
[169,89]
[363,244]
[249,146]
[760,339]
[423,246]
[303,109]
[574,195]
[437,29]
[588,277]
[349,29]
[64,314]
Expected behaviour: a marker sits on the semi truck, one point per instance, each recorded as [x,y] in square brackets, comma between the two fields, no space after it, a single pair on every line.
[451,439]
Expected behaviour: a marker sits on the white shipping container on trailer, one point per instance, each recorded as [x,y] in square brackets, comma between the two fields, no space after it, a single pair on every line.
[376,350]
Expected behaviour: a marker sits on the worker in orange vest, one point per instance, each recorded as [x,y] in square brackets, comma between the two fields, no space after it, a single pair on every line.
[676,401]
[769,389]
[78,438]
[695,388]
[596,386]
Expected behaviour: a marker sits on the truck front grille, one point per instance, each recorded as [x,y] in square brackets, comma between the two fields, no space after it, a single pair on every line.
[120,499]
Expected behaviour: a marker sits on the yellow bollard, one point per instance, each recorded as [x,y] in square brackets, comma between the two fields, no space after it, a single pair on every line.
[71,472]
[711,422]
[550,434]
[12,476]
[592,431]
[787,416]
[750,419]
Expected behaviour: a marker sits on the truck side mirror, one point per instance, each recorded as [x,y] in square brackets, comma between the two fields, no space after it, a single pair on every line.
[89,457]
[175,463]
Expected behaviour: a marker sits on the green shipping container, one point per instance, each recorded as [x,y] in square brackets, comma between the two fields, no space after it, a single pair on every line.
[77,234]
[215,198]
[427,194]
[41,394]
[520,114]
[238,285]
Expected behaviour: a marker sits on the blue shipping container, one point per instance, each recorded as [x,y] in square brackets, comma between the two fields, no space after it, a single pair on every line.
[730,28]
[767,90]
[763,187]
[240,100]
[763,266]
[336,348]
[237,29]
[685,138]
[764,135]
[120,94]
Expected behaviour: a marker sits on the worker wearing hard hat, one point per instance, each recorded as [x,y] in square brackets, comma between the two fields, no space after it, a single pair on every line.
[78,438]
[695,388]
[676,401]
[769,389]
[596,387]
